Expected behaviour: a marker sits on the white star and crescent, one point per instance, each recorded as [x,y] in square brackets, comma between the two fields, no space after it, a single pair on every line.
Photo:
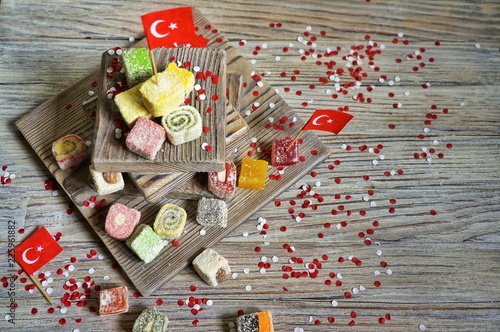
[315,121]
[154,29]
[30,261]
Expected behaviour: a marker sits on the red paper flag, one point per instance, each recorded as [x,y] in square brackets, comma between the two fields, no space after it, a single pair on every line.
[328,120]
[36,251]
[172,28]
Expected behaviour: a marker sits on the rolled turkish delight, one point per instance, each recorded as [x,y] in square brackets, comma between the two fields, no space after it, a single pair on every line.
[106,182]
[255,322]
[182,125]
[169,91]
[222,184]
[113,301]
[69,151]
[150,320]
[170,221]
[252,174]
[145,243]
[146,138]
[121,221]
[212,212]
[212,267]
[284,153]
[129,103]
[137,65]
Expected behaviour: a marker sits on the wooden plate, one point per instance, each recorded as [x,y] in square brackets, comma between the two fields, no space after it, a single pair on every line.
[108,152]
[52,120]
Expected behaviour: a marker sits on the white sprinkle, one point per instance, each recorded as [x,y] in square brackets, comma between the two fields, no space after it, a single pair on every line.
[260,84]
[298,219]
[338,226]
[339,276]
[246,270]
[8,317]
[275,259]
[355,290]
[379,252]
[397,78]
[382,46]
[248,288]
[262,271]
[426,130]
[248,112]
[105,278]
[71,268]
[263,259]
[371,150]
[417,52]
[373,204]
[63,310]
[435,142]
[381,80]
[423,148]
[234,275]
[400,105]
[388,271]
[381,157]
[119,51]
[277,58]
[45,283]
[65,273]
[111,52]
[202,96]
[400,35]
[308,28]
[12,176]
[91,270]
[407,93]
[311,319]
[391,82]
[204,145]
[366,198]
[210,303]
[392,172]
[92,205]
[256,104]
[203,232]
[55,193]
[376,272]
[271,105]
[49,290]
[421,327]
[317,184]
[253,61]
[462,104]
[375,162]
[197,87]
[334,303]
[266,243]
[361,288]
[131,39]
[291,45]
[343,146]
[428,159]
[292,248]
[478,46]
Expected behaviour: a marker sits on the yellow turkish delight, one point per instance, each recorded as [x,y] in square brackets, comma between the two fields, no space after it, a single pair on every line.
[130,105]
[168,92]
[253,174]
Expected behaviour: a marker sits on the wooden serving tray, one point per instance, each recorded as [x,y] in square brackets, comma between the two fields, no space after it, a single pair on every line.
[108,152]
[156,186]
[52,119]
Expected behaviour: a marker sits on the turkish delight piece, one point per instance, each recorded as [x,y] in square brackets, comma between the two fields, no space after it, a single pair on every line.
[106,182]
[69,151]
[170,221]
[129,103]
[145,243]
[113,301]
[212,267]
[255,322]
[121,221]
[283,153]
[212,212]
[252,174]
[182,125]
[150,320]
[137,65]
[222,184]
[168,92]
[146,138]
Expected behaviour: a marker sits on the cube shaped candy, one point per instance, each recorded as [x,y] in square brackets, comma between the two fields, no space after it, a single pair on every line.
[212,267]
[121,221]
[222,184]
[69,151]
[113,301]
[283,153]
[255,322]
[253,174]
[150,320]
[107,182]
[137,65]
[129,103]
[145,243]
[168,92]
[212,212]
[146,138]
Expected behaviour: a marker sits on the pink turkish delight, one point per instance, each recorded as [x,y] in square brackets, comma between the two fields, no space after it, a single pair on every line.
[222,183]
[121,221]
[282,154]
[146,138]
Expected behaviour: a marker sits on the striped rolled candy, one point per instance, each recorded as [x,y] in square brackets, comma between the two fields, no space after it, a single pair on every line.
[69,151]
[170,221]
[182,124]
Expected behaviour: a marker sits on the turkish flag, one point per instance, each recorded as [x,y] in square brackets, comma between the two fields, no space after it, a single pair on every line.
[36,251]
[172,28]
[328,120]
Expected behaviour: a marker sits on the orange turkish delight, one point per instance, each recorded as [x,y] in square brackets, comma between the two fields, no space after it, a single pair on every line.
[253,174]
[113,301]
[255,322]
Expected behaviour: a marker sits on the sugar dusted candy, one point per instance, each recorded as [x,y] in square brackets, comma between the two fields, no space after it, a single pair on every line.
[255,322]
[182,125]
[169,92]
[170,221]
[283,153]
[137,65]
[107,182]
[121,221]
[146,138]
[113,301]
[129,103]
[69,151]
[145,243]
[150,320]
[212,267]
[222,184]
[252,174]
[212,212]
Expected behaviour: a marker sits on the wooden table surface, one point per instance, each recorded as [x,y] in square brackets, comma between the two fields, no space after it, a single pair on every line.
[410,190]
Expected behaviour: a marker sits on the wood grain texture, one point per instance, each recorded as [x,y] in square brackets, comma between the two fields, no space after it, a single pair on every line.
[444,266]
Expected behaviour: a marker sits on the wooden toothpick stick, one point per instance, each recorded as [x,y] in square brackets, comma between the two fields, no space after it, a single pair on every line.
[154,65]
[293,141]
[37,284]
